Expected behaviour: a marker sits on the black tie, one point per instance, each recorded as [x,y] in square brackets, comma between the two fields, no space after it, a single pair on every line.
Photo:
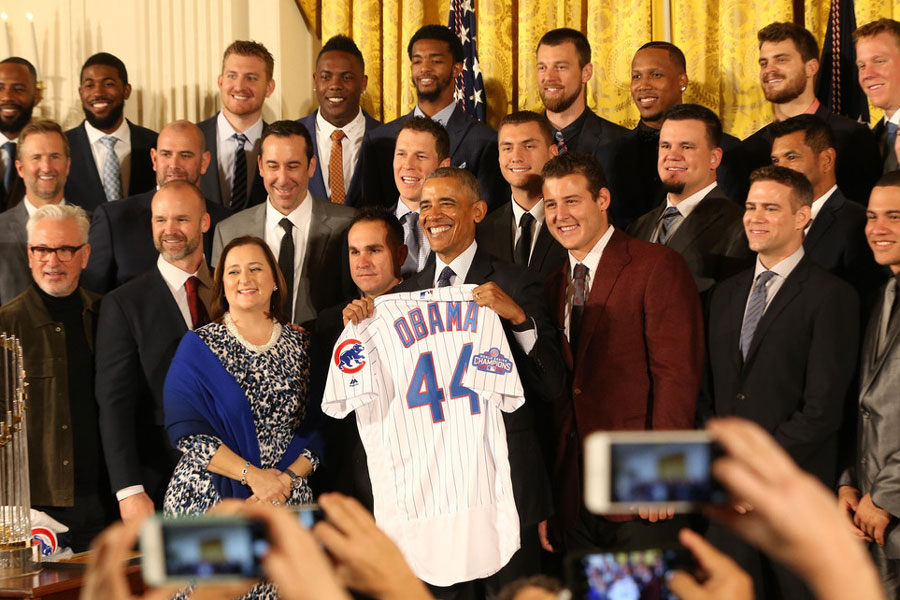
[239,180]
[286,264]
[444,279]
[523,246]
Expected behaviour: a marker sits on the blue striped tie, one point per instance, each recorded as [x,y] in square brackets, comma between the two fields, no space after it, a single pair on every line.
[755,309]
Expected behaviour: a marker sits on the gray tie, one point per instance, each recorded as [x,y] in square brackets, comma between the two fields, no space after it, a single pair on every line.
[669,219]
[755,309]
[9,176]
[112,172]
[890,298]
[417,244]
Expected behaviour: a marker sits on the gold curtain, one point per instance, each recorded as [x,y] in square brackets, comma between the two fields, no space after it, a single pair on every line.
[717,37]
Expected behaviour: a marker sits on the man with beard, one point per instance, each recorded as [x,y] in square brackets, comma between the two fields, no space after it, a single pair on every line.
[111,154]
[43,164]
[19,95]
[244,84]
[140,326]
[121,236]
[436,58]
[788,63]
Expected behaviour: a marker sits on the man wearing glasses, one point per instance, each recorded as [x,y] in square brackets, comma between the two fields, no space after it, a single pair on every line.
[42,161]
[56,320]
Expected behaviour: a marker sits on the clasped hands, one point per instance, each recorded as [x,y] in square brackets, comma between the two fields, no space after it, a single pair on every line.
[268,485]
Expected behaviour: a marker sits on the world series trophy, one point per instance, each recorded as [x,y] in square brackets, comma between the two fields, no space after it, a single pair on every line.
[16,556]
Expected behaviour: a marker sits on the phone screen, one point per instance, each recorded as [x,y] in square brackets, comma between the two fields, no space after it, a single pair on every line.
[630,575]
[309,515]
[664,472]
[198,548]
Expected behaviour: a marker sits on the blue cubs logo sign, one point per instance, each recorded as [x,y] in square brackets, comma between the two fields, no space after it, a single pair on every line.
[492,361]
[349,356]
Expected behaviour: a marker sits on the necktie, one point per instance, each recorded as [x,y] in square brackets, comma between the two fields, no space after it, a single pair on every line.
[10,148]
[755,309]
[112,171]
[444,279]
[239,176]
[579,283]
[523,247]
[336,167]
[669,218]
[415,241]
[891,138]
[561,143]
[199,316]
[887,310]
[286,264]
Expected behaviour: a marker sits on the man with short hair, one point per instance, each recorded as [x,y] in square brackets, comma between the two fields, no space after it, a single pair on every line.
[339,124]
[868,490]
[233,134]
[697,219]
[55,320]
[19,94]
[140,326]
[788,64]
[782,350]
[515,232]
[303,232]
[436,58]
[835,237]
[43,164]
[111,155]
[121,233]
[878,61]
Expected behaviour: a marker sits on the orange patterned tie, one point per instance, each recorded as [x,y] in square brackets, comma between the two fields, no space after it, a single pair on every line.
[336,167]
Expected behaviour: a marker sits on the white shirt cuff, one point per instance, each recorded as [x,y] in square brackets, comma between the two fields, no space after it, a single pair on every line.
[131,490]
[527,339]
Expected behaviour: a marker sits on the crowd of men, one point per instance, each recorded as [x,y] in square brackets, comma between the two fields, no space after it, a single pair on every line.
[650,278]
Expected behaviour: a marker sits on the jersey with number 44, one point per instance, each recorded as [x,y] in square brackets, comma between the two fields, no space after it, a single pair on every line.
[428,376]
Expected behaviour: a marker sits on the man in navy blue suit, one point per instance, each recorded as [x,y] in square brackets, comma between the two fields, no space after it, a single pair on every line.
[339,124]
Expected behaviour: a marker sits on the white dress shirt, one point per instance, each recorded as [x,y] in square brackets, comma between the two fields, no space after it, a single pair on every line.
[225,151]
[781,270]
[123,151]
[442,116]
[817,205]
[31,208]
[352,142]
[591,261]
[301,218]
[537,211]
[685,207]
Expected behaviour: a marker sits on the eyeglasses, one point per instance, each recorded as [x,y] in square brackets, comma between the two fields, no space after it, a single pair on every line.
[63,253]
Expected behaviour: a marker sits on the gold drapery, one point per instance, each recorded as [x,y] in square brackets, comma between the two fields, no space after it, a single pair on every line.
[717,37]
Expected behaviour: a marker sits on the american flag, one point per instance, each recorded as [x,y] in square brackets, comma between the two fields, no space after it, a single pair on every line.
[469,90]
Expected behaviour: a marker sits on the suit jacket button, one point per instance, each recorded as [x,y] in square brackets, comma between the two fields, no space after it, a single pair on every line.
[740,397]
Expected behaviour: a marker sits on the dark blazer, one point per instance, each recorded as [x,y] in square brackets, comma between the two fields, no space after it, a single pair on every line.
[209,182]
[888,156]
[639,355]
[121,240]
[541,371]
[711,239]
[859,162]
[138,332]
[495,235]
[84,186]
[800,365]
[472,144]
[12,196]
[317,183]
[15,274]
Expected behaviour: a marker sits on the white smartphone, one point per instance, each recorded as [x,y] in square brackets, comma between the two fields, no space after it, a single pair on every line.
[625,470]
[201,549]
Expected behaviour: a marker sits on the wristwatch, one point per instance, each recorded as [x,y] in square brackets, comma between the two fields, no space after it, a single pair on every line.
[296,480]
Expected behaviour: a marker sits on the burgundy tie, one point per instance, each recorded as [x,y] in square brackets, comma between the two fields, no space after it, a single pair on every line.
[199,316]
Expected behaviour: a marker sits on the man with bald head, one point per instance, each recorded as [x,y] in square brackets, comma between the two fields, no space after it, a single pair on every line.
[140,326]
[121,236]
[19,94]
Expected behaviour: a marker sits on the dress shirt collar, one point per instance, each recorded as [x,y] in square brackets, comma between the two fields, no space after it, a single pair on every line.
[224,129]
[401,210]
[537,211]
[354,129]
[687,206]
[4,139]
[31,208]
[123,133]
[460,265]
[894,118]
[442,116]
[592,260]
[300,216]
[783,268]
[819,202]
[173,276]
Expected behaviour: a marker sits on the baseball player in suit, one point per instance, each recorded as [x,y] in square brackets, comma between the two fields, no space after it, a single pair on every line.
[877,55]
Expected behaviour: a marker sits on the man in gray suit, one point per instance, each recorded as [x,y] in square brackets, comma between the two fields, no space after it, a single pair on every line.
[43,162]
[305,233]
[869,490]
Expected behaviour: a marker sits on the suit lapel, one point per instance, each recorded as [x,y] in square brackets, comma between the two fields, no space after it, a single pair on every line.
[704,216]
[481,269]
[457,127]
[317,183]
[159,289]
[542,246]
[615,258]
[558,284]
[823,221]
[873,361]
[790,289]
[83,161]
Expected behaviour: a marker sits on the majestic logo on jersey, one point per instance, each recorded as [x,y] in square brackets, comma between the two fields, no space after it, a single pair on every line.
[492,361]
[349,356]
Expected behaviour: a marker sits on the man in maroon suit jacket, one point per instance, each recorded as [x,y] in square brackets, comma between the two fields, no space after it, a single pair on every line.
[632,338]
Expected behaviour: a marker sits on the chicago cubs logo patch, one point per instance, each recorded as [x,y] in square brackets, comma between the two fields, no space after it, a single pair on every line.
[492,361]
[349,356]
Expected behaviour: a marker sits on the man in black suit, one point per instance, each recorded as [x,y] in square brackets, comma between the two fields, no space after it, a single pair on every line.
[878,59]
[244,84]
[19,94]
[110,154]
[788,63]
[450,209]
[436,56]
[835,237]
[697,220]
[339,80]
[515,232]
[782,350]
[121,233]
[140,326]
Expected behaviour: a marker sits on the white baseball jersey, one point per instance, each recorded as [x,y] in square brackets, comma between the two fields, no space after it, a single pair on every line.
[428,375]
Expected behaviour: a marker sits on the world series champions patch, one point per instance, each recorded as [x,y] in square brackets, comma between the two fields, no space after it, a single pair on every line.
[492,361]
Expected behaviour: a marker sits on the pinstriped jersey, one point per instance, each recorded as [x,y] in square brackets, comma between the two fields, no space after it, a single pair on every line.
[428,376]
